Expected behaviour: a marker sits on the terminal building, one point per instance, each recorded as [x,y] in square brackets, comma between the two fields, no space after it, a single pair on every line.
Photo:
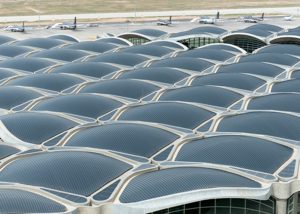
[198,122]
[249,38]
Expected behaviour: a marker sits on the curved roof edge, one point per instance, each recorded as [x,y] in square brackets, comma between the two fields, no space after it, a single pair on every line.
[227,44]
[208,35]
[122,39]
[168,40]
[237,34]
[63,34]
[286,38]
[126,35]
[157,204]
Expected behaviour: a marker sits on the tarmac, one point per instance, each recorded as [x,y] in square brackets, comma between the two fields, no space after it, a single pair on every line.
[85,33]
[276,10]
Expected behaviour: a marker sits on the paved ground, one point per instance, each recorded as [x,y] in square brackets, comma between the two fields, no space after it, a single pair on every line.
[90,33]
[44,7]
[282,10]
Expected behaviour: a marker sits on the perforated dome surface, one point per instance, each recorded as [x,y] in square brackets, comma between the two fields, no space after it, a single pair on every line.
[5,39]
[171,113]
[132,138]
[253,33]
[283,48]
[19,201]
[223,47]
[287,86]
[6,151]
[125,59]
[296,74]
[239,151]
[92,69]
[150,32]
[165,75]
[257,68]
[276,58]
[233,80]
[114,40]
[64,38]
[44,43]
[207,30]
[27,64]
[87,105]
[266,27]
[60,54]
[54,82]
[6,73]
[12,96]
[168,44]
[171,181]
[75,172]
[13,51]
[150,121]
[264,123]
[210,95]
[97,47]
[126,88]
[35,127]
[183,63]
[151,50]
[281,102]
[212,54]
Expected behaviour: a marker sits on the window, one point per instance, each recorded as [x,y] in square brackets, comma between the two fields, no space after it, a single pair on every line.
[248,45]
[192,43]
[137,40]
[224,206]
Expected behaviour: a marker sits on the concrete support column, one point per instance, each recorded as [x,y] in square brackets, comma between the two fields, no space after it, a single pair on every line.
[296,202]
[281,206]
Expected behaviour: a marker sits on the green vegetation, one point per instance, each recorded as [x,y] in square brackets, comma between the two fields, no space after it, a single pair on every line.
[42,7]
